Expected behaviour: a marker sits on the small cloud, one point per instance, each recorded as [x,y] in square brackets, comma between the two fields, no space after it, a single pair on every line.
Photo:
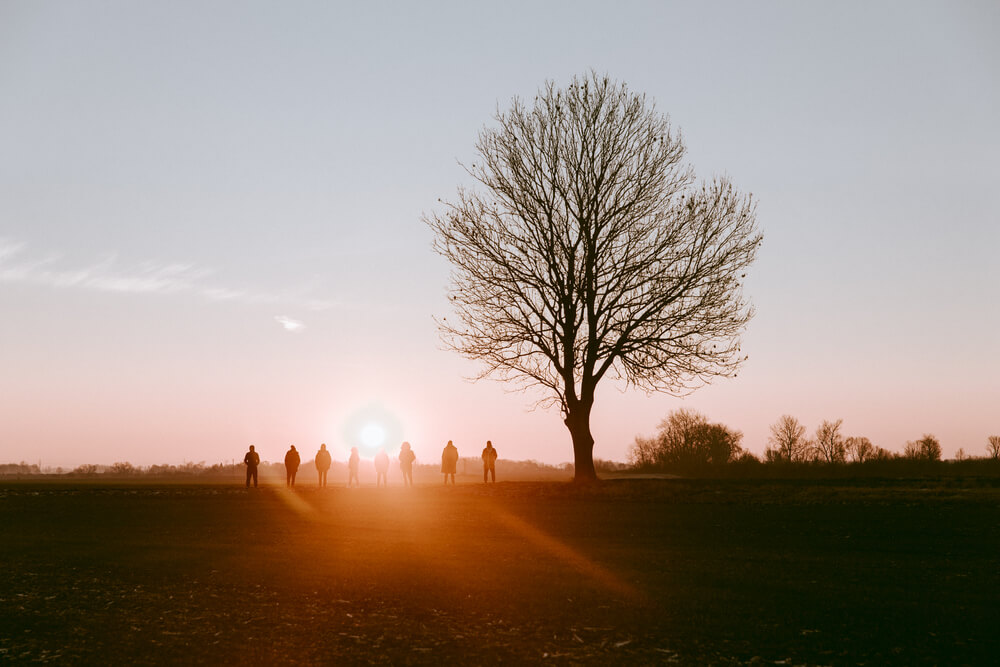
[108,275]
[105,276]
[289,324]
[9,248]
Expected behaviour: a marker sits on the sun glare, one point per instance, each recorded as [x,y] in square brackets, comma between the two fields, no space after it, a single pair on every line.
[372,435]
[371,428]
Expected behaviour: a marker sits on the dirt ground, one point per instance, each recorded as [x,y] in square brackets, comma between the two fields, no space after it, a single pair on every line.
[625,572]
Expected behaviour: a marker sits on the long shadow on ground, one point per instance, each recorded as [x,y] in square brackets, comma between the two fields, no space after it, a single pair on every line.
[645,571]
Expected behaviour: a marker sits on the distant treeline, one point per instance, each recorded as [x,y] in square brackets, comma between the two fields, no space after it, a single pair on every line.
[467,467]
[687,443]
[120,469]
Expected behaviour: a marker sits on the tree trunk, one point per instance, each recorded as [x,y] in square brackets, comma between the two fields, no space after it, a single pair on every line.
[578,423]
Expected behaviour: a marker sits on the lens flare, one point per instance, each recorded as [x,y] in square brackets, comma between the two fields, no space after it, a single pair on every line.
[370,429]
[372,435]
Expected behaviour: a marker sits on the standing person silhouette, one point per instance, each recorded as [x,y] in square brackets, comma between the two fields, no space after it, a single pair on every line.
[489,462]
[352,468]
[381,468]
[449,462]
[291,466]
[406,459]
[252,460]
[353,462]
[323,461]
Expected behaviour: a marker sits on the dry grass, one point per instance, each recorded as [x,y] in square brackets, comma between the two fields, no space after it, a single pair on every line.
[642,571]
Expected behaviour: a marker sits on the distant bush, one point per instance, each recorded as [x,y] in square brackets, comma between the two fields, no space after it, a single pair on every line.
[680,447]
[122,469]
[601,465]
[21,468]
[859,449]
[747,459]
[928,448]
[993,446]
[686,440]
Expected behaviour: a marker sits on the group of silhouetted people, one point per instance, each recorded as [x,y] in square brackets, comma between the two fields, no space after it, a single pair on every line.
[323,461]
[449,462]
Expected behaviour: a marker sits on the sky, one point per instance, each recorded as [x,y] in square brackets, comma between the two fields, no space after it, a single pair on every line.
[211,236]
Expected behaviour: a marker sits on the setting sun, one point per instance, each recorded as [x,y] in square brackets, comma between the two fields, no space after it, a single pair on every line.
[372,436]
[432,333]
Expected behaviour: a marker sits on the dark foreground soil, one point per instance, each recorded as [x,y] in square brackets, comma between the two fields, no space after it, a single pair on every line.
[628,572]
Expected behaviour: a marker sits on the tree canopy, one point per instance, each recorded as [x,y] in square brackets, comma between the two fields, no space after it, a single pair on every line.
[589,250]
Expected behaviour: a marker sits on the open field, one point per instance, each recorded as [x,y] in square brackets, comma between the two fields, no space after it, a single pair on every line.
[639,571]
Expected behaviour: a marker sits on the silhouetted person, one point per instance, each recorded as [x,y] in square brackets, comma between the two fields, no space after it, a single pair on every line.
[449,462]
[291,466]
[352,468]
[323,461]
[406,459]
[381,468]
[489,462]
[252,460]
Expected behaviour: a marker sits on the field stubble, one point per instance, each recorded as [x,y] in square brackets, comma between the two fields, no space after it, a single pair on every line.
[641,571]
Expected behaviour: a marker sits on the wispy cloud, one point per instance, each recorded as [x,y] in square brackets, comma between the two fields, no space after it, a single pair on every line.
[108,275]
[294,326]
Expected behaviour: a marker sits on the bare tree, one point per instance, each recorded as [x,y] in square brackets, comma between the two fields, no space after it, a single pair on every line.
[788,441]
[644,453]
[594,253]
[928,448]
[687,439]
[882,454]
[993,446]
[722,443]
[829,442]
[123,468]
[679,437]
[859,449]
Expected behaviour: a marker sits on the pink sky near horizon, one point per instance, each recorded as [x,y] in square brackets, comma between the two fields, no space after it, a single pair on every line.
[154,405]
[219,244]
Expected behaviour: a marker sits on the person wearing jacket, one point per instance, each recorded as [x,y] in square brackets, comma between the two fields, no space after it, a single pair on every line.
[449,462]
[323,461]
[489,462]
[406,459]
[291,466]
[353,463]
[251,460]
[382,468]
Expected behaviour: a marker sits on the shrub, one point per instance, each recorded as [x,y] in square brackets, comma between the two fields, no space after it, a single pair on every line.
[686,439]
[928,448]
